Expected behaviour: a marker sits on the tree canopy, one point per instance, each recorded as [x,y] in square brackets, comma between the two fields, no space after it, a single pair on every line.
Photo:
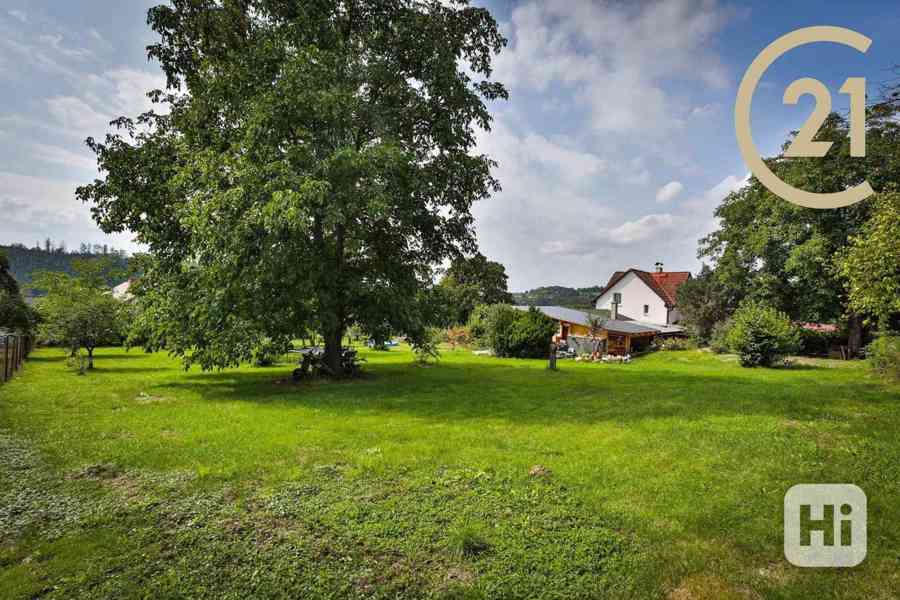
[314,163]
[870,265]
[469,282]
[772,251]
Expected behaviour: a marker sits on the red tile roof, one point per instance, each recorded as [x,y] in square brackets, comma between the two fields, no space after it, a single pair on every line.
[665,284]
[669,282]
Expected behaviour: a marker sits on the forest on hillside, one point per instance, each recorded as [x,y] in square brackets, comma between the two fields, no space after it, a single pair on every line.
[556,295]
[25,262]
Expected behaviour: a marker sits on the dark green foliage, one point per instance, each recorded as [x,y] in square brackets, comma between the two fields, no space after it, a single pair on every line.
[510,332]
[15,314]
[884,355]
[470,282]
[761,335]
[558,296]
[703,301]
[789,257]
[269,351]
[425,345]
[817,343]
[314,163]
[718,339]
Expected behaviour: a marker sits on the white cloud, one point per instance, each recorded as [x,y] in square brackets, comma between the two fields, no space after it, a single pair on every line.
[34,208]
[104,97]
[669,192]
[19,15]
[706,110]
[576,162]
[62,156]
[55,42]
[614,58]
[643,229]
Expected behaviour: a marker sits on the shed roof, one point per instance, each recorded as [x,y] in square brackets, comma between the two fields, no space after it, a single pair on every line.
[561,313]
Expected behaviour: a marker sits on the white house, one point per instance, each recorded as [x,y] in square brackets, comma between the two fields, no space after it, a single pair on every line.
[643,296]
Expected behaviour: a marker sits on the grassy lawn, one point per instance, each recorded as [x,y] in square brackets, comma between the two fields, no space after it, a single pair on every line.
[663,478]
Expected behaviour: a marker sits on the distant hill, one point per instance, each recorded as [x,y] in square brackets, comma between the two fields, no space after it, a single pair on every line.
[25,262]
[556,295]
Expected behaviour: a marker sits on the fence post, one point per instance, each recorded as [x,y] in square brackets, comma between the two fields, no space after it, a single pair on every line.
[5,357]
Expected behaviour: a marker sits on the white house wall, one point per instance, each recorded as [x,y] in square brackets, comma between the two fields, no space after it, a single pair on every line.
[635,294]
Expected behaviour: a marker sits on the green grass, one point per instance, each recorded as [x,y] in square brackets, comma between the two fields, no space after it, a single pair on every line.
[661,478]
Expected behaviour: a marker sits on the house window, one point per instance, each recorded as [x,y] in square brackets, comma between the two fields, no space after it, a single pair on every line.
[646,309]
[617,298]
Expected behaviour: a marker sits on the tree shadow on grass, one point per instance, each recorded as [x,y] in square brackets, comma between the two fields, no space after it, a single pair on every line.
[527,394]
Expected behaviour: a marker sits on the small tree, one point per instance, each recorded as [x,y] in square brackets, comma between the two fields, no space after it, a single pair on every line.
[79,312]
[425,346]
[704,301]
[761,335]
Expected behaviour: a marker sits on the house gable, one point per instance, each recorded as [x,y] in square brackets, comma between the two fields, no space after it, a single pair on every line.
[646,296]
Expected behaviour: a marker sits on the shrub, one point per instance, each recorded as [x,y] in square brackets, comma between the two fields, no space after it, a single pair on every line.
[530,334]
[425,345]
[761,335]
[481,319]
[458,336]
[511,332]
[884,355]
[718,339]
[671,344]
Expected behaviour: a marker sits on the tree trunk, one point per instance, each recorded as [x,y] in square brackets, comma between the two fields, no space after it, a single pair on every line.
[854,335]
[333,351]
[90,352]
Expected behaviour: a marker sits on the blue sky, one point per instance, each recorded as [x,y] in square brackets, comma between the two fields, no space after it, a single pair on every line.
[616,144]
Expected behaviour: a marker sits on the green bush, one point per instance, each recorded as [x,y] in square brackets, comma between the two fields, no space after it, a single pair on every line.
[425,345]
[718,339]
[884,355]
[672,344]
[761,335]
[531,334]
[511,332]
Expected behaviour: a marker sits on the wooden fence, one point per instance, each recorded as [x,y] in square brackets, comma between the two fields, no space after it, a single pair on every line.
[14,349]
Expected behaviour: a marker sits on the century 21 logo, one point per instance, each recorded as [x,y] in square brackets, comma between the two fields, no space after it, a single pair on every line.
[804,145]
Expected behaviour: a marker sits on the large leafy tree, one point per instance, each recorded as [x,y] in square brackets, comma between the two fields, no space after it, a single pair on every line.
[315,163]
[470,281]
[772,251]
[870,265]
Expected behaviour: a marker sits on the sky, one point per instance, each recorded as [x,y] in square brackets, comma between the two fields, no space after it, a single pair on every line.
[614,148]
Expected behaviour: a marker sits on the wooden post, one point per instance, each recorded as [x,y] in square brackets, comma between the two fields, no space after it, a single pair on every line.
[552,363]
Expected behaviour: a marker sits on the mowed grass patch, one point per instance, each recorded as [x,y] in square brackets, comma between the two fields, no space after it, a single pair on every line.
[657,476]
